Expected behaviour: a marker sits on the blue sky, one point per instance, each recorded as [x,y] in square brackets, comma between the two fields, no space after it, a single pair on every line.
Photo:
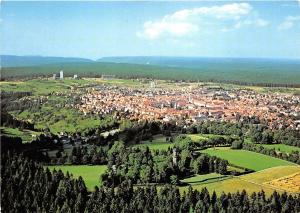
[97,29]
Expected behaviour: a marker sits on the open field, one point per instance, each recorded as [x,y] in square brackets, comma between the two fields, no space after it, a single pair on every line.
[199,137]
[271,173]
[90,174]
[289,183]
[253,182]
[26,135]
[282,147]
[158,143]
[156,146]
[246,159]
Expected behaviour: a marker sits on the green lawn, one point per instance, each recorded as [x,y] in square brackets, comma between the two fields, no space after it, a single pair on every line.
[199,137]
[156,146]
[247,159]
[90,174]
[158,143]
[26,135]
[282,147]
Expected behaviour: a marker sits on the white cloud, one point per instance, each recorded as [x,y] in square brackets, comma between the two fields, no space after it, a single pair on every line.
[153,30]
[288,22]
[189,21]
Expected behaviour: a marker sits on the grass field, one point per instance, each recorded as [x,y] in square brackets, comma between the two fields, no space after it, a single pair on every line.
[271,174]
[247,159]
[289,183]
[253,182]
[199,137]
[282,147]
[90,174]
[26,135]
[156,146]
[158,143]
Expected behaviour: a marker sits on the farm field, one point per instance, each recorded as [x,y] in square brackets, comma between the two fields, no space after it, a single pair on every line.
[289,183]
[246,159]
[25,135]
[271,174]
[90,174]
[282,147]
[253,182]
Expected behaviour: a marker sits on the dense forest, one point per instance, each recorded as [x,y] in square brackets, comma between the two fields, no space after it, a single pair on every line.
[27,187]
[271,73]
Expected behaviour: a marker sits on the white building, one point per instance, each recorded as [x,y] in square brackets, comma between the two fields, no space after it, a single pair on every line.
[61,74]
[75,76]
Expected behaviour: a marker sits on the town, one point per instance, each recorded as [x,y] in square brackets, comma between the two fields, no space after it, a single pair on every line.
[192,103]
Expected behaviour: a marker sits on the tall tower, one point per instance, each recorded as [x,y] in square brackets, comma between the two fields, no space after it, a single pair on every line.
[175,156]
[61,75]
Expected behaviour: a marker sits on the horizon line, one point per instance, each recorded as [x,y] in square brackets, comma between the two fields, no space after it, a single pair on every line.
[162,56]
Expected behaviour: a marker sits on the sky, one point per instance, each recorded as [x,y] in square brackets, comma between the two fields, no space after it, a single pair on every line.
[198,28]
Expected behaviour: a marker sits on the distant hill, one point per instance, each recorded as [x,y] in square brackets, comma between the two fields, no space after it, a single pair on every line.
[264,72]
[206,63]
[23,61]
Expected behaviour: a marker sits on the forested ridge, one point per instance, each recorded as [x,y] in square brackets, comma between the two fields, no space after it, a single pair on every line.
[27,187]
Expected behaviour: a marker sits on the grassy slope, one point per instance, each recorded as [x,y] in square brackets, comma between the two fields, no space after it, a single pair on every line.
[90,174]
[158,143]
[26,135]
[57,119]
[247,159]
[282,147]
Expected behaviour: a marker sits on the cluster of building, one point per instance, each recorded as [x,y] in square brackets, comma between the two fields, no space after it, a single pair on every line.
[60,75]
[192,104]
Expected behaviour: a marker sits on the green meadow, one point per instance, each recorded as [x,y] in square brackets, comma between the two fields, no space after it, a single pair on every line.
[90,174]
[158,143]
[282,147]
[25,135]
[246,159]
